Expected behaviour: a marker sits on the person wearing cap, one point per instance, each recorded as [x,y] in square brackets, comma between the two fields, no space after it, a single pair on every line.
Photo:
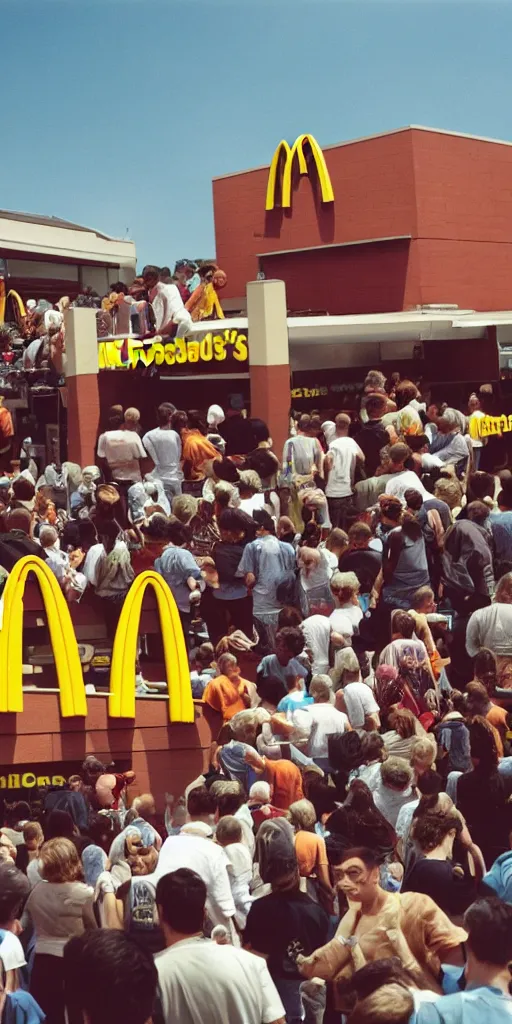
[187,277]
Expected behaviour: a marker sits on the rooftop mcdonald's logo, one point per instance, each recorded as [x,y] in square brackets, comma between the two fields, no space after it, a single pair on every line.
[280,172]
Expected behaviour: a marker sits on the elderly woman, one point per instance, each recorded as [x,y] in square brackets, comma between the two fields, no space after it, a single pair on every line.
[491,628]
[449,444]
[227,692]
[315,595]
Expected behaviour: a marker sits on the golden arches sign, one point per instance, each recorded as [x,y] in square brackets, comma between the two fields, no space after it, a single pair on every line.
[285,154]
[122,672]
[62,634]
[65,648]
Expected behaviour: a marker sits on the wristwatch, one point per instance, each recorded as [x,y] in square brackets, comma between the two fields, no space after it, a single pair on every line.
[350,942]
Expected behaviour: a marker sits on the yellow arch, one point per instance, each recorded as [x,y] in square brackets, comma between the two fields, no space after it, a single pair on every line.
[324,178]
[283,147]
[122,673]
[62,635]
[19,301]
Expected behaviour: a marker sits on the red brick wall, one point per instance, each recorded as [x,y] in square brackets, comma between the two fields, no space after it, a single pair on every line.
[452,194]
[374,198]
[357,279]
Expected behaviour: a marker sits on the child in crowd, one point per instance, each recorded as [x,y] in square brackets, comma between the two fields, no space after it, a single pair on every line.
[202,668]
[228,834]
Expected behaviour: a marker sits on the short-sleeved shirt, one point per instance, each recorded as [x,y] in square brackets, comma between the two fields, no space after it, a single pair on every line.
[270,668]
[11,952]
[344,452]
[311,852]
[283,925]
[122,449]
[294,701]
[473,1006]
[359,702]
[286,780]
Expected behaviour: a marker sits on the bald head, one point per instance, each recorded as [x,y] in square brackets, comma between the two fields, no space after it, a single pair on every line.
[342,422]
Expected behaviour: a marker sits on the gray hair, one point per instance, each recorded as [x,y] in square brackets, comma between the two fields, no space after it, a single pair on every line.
[224,660]
[455,419]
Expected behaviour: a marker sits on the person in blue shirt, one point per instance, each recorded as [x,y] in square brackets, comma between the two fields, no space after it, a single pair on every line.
[487,975]
[180,571]
[296,696]
[284,663]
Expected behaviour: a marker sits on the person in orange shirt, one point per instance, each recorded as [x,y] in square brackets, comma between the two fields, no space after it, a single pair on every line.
[310,849]
[196,448]
[227,692]
[283,776]
[479,703]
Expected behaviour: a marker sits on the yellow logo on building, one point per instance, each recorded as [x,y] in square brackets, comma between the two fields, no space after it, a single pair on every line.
[279,187]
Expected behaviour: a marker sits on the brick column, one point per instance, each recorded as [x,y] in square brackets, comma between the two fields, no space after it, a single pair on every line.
[269,360]
[83,400]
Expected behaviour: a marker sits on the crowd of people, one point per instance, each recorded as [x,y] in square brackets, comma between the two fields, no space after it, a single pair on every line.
[346,855]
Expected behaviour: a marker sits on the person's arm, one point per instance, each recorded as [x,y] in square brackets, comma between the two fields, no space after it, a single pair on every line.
[176,312]
[327,961]
[272,1008]
[473,639]
[376,589]
[88,917]
[372,722]
[150,448]
[391,556]
[328,464]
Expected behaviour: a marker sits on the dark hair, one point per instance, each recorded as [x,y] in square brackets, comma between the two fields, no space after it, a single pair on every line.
[59,824]
[200,801]
[411,525]
[403,623]
[376,405]
[430,829]
[378,973]
[263,462]
[157,527]
[405,392]
[430,785]
[417,441]
[178,533]
[289,616]
[480,485]
[196,420]
[232,520]
[229,803]
[165,412]
[260,430]
[102,829]
[179,420]
[293,639]
[181,897]
[115,420]
[224,469]
[489,925]
[322,796]
[485,668]
[108,976]
[150,271]
[19,811]
[478,512]
[264,520]
[372,746]
[14,889]
[370,858]
[483,744]
[23,489]
[304,421]
[413,499]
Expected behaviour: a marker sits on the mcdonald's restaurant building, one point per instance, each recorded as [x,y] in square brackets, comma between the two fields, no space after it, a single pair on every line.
[397,247]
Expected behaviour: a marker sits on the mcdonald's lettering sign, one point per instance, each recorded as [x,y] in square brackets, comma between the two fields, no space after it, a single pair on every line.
[279,186]
[65,648]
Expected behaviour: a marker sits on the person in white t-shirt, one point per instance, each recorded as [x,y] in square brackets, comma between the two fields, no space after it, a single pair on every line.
[14,888]
[163,444]
[199,980]
[167,303]
[357,701]
[402,479]
[122,450]
[326,721]
[339,470]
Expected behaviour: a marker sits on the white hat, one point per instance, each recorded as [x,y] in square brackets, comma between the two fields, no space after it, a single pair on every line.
[215,415]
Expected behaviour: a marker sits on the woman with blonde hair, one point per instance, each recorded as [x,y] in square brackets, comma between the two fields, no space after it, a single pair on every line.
[60,906]
[345,591]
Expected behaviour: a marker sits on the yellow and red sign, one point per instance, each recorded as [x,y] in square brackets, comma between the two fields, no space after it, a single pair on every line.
[279,186]
[127,353]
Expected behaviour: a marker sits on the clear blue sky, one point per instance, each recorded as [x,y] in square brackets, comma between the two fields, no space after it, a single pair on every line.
[118,113]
